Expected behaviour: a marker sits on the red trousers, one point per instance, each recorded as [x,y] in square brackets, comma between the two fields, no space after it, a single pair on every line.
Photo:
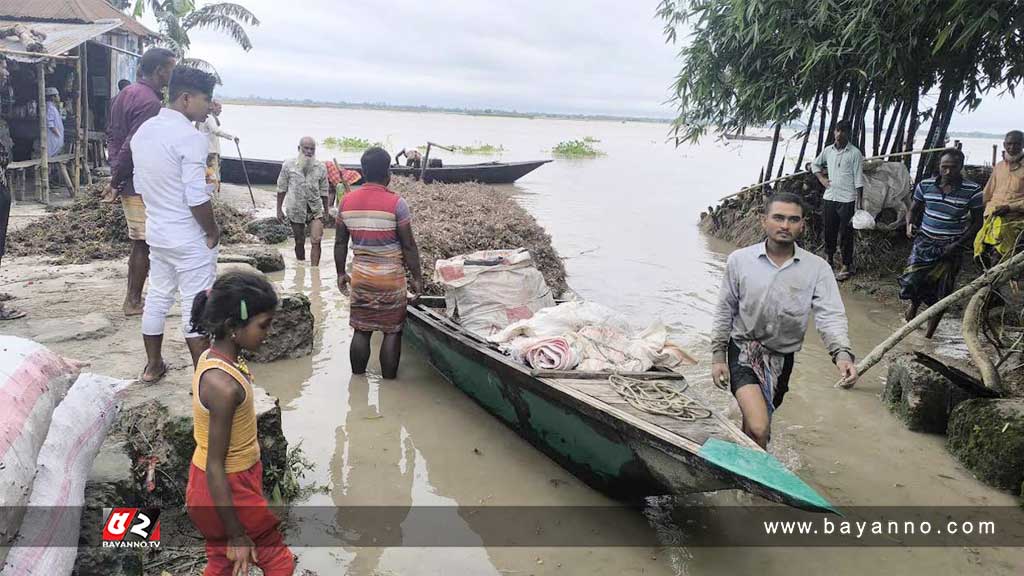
[272,555]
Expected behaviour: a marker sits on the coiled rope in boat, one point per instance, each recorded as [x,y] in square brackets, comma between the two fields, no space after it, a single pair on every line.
[656,397]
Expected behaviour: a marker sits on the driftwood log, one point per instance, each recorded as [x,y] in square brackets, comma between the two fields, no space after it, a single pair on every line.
[1008,266]
[32,39]
[974,315]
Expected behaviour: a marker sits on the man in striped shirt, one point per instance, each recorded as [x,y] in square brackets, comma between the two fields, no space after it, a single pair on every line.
[945,216]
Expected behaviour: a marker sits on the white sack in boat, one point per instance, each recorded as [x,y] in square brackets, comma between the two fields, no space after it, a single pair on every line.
[562,319]
[493,288]
[601,339]
[79,426]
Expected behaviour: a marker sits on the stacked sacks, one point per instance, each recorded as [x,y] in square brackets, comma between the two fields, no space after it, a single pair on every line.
[33,381]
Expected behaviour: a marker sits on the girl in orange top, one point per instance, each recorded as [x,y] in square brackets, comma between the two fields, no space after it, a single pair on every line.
[225,483]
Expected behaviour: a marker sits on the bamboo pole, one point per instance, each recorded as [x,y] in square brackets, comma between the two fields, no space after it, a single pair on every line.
[880,156]
[35,54]
[1011,266]
[994,149]
[80,132]
[43,184]
[84,48]
[810,128]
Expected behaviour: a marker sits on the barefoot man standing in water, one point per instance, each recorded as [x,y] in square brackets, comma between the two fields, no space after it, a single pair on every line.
[303,184]
[766,299]
[380,225]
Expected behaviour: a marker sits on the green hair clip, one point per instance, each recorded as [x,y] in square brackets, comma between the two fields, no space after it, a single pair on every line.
[244,311]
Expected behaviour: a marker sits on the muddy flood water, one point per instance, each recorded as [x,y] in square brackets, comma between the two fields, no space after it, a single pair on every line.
[626,222]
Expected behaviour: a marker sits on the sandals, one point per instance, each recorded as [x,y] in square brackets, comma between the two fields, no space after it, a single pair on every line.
[159,377]
[10,313]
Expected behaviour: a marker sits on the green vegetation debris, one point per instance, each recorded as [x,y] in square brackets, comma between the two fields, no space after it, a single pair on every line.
[284,483]
[349,144]
[476,148]
[577,149]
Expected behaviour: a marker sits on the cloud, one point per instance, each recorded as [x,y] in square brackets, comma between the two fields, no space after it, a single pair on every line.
[580,57]
[574,56]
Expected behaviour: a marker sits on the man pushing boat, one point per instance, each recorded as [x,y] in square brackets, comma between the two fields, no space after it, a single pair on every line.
[766,299]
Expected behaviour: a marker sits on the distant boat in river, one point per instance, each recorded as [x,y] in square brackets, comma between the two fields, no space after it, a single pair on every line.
[747,137]
[267,171]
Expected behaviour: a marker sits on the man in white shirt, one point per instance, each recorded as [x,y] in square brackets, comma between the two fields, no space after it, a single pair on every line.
[844,194]
[211,129]
[169,155]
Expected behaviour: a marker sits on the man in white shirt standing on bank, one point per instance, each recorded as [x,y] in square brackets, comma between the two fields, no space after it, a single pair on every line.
[844,195]
[170,173]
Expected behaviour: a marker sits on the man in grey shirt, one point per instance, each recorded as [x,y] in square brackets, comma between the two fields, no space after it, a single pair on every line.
[844,194]
[766,299]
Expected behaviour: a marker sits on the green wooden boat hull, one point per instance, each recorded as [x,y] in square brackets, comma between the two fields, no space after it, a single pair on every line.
[619,457]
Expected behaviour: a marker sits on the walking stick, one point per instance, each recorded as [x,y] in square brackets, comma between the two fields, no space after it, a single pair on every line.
[246,172]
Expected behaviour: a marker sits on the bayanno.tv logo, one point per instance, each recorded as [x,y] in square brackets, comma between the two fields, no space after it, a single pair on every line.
[131,528]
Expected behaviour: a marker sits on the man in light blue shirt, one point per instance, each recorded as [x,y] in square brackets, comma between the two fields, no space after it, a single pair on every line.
[840,169]
[54,124]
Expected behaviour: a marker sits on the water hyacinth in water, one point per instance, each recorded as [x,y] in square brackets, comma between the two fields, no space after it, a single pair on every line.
[577,148]
[349,144]
[453,219]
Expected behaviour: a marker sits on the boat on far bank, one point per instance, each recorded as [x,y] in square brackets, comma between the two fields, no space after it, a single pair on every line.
[747,137]
[267,171]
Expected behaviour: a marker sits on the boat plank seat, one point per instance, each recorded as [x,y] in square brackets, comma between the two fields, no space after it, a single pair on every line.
[697,431]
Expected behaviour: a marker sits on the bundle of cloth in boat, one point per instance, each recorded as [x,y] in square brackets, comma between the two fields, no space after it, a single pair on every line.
[591,337]
[490,289]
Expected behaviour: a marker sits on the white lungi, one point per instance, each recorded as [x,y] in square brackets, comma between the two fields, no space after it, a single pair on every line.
[188,269]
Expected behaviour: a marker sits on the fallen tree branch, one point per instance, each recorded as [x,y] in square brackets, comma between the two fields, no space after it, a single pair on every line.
[971,327]
[1009,265]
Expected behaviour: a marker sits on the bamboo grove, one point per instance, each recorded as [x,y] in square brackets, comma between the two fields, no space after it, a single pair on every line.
[889,66]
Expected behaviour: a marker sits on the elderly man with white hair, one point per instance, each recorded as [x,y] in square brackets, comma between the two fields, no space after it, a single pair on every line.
[302,198]
[54,123]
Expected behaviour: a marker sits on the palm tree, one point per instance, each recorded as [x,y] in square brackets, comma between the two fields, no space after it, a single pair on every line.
[176,18]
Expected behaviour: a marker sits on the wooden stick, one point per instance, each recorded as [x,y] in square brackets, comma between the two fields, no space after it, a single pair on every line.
[84,49]
[762,184]
[1011,266]
[43,55]
[80,134]
[44,158]
[581,375]
[971,325]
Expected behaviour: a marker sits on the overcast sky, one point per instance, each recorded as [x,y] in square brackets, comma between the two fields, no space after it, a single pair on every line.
[569,56]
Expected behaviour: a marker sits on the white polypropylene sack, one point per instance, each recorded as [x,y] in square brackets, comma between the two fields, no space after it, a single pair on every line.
[863,220]
[33,380]
[887,185]
[47,540]
[562,319]
[600,338]
[492,289]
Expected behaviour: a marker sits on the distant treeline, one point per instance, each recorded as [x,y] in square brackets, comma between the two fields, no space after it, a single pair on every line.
[257,101]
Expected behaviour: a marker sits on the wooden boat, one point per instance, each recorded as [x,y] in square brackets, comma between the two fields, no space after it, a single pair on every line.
[747,137]
[578,420]
[266,171]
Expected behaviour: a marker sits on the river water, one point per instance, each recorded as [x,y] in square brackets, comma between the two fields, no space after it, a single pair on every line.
[626,222]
